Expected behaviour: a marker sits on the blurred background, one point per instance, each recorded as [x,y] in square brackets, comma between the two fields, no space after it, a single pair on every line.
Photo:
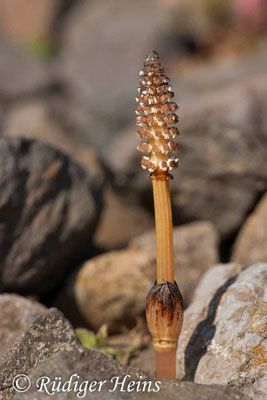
[76,228]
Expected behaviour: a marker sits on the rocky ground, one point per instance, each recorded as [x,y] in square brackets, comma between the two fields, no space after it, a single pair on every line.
[77,241]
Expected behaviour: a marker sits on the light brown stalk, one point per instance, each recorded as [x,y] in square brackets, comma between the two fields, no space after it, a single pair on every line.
[164,235]
[164,306]
[166,363]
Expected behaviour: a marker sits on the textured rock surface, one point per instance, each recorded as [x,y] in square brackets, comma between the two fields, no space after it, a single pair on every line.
[20,73]
[251,243]
[224,336]
[49,208]
[223,144]
[50,348]
[17,315]
[91,365]
[48,334]
[195,250]
[106,287]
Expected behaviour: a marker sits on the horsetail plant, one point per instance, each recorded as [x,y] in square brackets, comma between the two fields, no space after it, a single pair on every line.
[164,305]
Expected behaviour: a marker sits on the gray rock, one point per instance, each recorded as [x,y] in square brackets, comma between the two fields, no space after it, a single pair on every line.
[49,333]
[223,145]
[100,62]
[21,74]
[17,315]
[195,250]
[49,209]
[49,348]
[250,246]
[94,366]
[32,119]
[224,337]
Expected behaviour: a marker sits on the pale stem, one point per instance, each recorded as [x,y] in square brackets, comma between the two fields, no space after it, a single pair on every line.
[164,231]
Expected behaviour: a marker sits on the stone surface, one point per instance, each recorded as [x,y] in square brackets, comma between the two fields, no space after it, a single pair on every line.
[195,250]
[223,144]
[48,334]
[50,348]
[32,119]
[224,337]
[91,365]
[121,220]
[49,209]
[106,287]
[17,315]
[21,74]
[250,246]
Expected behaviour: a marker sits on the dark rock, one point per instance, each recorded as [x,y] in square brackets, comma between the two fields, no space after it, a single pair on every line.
[21,74]
[32,119]
[250,246]
[224,334]
[49,209]
[17,315]
[94,366]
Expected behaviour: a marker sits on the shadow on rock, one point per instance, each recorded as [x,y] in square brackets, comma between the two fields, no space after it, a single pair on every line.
[203,334]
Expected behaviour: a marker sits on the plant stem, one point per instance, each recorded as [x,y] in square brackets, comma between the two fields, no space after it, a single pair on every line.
[166,363]
[165,358]
[164,232]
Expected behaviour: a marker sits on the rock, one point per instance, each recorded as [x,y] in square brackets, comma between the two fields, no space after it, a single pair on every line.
[223,145]
[250,246]
[17,315]
[101,51]
[21,74]
[224,337]
[195,250]
[145,360]
[32,119]
[49,209]
[94,366]
[49,333]
[106,288]
[121,220]
[49,348]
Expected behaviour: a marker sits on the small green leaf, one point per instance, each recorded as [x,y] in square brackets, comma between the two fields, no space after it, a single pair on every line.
[87,338]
